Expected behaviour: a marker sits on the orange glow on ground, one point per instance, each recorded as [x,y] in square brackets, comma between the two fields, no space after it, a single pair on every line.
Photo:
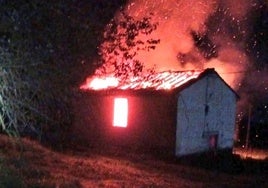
[120,112]
[252,153]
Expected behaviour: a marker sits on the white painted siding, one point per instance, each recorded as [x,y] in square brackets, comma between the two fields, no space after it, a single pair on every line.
[206,107]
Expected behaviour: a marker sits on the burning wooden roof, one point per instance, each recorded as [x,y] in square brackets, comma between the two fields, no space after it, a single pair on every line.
[157,81]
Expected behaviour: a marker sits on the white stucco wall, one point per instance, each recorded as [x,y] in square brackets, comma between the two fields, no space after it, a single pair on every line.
[195,121]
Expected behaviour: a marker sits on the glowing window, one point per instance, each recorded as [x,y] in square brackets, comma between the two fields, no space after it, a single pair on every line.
[120,112]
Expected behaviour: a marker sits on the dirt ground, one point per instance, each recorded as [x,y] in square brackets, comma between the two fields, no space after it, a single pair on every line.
[32,165]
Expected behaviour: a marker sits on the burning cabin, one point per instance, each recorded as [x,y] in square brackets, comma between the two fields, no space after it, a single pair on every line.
[180,112]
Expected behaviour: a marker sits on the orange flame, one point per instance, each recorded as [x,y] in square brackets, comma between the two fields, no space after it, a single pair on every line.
[177,18]
[158,81]
[177,49]
[97,83]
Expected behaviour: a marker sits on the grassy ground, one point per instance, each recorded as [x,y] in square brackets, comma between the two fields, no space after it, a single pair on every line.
[31,165]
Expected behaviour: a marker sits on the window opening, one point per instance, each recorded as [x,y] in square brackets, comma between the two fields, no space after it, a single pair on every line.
[120,112]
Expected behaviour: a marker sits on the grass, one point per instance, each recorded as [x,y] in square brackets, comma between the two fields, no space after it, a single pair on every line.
[9,177]
[33,165]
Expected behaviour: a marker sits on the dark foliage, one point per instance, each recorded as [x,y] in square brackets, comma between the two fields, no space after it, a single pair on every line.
[122,40]
[44,46]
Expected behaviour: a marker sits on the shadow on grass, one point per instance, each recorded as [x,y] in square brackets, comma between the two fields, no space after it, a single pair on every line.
[221,161]
[225,161]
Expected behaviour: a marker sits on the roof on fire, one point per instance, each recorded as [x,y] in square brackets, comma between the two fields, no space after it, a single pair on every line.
[162,82]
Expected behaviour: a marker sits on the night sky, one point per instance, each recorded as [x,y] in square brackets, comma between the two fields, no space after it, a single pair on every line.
[230,36]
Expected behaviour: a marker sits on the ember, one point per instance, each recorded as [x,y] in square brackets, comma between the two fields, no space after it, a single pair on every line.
[158,81]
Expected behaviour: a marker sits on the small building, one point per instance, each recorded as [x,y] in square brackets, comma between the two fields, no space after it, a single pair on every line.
[181,112]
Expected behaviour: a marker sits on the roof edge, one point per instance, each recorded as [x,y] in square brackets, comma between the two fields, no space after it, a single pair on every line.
[213,71]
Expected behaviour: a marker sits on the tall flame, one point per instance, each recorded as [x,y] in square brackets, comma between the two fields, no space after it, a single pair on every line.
[194,35]
[221,28]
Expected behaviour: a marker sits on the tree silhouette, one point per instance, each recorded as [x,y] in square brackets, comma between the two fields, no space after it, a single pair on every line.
[123,38]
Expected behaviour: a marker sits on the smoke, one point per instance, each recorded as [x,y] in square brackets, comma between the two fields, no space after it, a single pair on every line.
[198,34]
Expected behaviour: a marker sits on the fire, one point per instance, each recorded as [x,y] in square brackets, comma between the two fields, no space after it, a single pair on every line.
[178,50]
[158,81]
[120,112]
[214,46]
[97,83]
[253,153]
